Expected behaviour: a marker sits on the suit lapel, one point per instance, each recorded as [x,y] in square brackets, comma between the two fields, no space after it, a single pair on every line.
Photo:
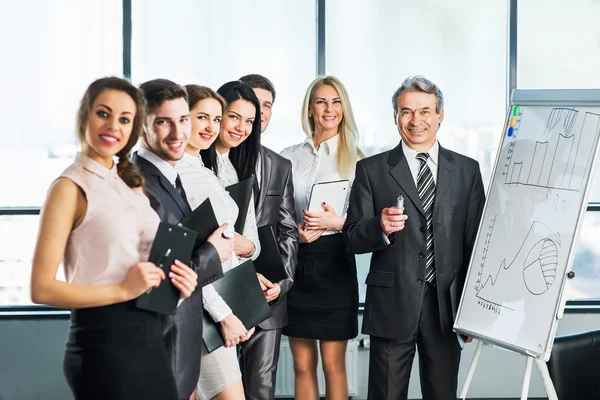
[401,173]
[445,173]
[265,173]
[163,181]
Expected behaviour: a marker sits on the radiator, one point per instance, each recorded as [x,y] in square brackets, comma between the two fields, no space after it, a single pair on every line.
[285,371]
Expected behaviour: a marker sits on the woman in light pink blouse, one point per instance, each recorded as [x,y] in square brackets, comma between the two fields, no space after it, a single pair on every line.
[99,223]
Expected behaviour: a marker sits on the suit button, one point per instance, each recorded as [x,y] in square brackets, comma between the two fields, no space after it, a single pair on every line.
[423,229]
[421,255]
[420,280]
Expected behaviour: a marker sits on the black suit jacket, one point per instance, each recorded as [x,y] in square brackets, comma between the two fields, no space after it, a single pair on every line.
[395,281]
[182,333]
[276,207]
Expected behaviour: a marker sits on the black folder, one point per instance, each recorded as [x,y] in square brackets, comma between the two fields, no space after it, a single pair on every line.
[171,243]
[269,261]
[240,289]
[202,221]
[241,193]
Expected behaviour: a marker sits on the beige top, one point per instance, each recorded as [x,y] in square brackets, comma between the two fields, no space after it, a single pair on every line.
[117,230]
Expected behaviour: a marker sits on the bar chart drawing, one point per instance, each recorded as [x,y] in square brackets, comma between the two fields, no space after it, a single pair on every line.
[557,157]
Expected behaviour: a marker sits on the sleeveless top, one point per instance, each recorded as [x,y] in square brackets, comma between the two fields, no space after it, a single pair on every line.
[117,230]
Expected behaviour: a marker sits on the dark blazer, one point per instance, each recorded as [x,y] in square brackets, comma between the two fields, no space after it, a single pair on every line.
[182,332]
[276,207]
[396,276]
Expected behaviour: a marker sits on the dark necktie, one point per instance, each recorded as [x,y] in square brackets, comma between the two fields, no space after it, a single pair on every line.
[179,188]
[426,190]
[256,191]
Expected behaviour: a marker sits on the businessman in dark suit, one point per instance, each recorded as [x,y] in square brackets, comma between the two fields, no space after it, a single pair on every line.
[166,132]
[274,206]
[420,253]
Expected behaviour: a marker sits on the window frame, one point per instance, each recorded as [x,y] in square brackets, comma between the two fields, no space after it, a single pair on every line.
[47,312]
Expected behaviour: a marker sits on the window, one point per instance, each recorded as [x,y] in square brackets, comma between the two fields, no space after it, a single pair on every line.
[231,39]
[52,55]
[449,44]
[568,57]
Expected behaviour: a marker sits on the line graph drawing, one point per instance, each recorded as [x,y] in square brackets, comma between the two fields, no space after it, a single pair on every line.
[536,260]
[553,162]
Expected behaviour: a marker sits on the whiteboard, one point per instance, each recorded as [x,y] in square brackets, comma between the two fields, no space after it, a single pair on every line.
[513,294]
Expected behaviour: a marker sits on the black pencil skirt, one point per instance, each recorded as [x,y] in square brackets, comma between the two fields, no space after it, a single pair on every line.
[116,352]
[323,303]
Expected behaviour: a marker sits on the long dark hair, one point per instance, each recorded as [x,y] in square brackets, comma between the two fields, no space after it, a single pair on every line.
[244,156]
[126,170]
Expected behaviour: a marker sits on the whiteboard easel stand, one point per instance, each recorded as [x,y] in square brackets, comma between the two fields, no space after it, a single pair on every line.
[548,385]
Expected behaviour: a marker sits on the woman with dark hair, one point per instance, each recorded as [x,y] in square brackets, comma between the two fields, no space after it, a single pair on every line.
[232,157]
[98,222]
[220,375]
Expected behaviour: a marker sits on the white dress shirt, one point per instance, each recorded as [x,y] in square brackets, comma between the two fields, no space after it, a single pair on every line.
[227,175]
[199,184]
[310,166]
[414,164]
[259,169]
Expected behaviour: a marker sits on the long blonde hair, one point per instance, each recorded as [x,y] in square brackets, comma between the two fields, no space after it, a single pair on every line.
[348,152]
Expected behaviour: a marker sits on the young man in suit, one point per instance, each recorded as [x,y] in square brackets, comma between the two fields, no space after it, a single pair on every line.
[275,207]
[167,130]
[420,253]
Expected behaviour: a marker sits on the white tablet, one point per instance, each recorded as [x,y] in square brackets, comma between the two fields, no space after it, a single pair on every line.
[335,193]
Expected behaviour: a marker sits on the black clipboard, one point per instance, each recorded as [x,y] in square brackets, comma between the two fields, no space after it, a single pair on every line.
[241,193]
[240,289]
[269,262]
[171,243]
[202,221]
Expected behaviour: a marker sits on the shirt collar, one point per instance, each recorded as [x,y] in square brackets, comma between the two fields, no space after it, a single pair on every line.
[164,167]
[412,154]
[330,145]
[95,167]
[190,159]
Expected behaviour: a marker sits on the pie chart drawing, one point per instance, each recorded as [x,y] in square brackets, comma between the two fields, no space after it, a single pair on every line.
[539,269]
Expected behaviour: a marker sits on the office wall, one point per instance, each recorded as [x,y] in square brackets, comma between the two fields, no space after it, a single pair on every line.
[31,354]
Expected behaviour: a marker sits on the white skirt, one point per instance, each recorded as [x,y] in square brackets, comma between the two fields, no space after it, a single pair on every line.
[219,370]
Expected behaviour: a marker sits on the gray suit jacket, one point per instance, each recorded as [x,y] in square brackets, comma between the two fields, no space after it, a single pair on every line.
[276,207]
[395,281]
[182,332]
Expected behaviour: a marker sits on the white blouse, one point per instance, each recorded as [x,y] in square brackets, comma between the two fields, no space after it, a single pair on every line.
[310,166]
[228,176]
[199,184]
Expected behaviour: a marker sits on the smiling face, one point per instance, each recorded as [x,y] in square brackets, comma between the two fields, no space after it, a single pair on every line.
[417,120]
[236,125]
[326,109]
[167,130]
[109,125]
[206,118]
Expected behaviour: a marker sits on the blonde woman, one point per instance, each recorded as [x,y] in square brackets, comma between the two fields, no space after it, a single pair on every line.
[323,303]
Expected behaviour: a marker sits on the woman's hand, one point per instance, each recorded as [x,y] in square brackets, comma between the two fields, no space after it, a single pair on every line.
[184,278]
[328,219]
[141,277]
[248,335]
[233,330]
[242,246]
[308,236]
[270,290]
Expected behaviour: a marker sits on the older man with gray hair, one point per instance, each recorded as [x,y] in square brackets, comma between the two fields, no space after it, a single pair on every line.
[421,246]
